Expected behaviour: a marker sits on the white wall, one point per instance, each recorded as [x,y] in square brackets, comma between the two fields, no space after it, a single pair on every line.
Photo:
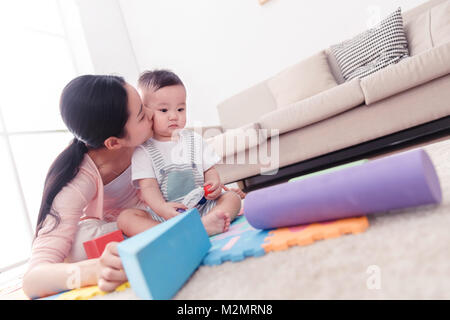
[221,47]
[105,36]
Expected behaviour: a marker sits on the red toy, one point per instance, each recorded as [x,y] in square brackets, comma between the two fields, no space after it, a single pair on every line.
[94,248]
[206,188]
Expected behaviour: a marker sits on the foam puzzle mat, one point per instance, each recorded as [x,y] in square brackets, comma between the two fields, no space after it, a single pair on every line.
[242,241]
[85,293]
[239,242]
[283,238]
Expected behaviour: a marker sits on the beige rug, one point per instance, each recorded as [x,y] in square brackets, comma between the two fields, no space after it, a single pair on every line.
[403,255]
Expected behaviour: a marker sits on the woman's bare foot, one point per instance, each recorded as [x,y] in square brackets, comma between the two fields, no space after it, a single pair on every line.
[216,222]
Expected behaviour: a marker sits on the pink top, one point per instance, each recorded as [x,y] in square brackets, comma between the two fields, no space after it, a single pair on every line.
[82,197]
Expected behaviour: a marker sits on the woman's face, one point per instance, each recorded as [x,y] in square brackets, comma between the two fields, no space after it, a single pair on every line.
[140,121]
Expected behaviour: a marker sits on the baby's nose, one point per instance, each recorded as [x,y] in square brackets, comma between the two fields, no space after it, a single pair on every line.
[173,115]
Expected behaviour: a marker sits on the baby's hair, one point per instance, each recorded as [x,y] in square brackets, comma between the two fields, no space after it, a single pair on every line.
[158,79]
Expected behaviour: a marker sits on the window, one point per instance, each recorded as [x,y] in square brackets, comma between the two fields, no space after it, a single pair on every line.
[36,63]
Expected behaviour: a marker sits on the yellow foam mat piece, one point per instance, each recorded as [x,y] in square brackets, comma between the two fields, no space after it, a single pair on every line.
[283,238]
[87,293]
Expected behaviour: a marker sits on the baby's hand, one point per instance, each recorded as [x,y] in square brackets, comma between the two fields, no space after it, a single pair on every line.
[214,190]
[170,210]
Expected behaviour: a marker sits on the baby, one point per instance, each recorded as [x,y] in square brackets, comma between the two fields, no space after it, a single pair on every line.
[175,165]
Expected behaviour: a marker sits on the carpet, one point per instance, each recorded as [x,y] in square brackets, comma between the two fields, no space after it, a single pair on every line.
[402,255]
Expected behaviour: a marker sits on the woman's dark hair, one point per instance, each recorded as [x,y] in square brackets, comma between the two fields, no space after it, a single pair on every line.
[94,108]
[158,79]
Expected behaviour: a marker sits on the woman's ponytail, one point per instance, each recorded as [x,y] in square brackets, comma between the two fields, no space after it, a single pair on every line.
[61,172]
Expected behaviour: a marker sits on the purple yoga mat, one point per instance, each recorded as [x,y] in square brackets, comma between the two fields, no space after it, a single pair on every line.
[399,181]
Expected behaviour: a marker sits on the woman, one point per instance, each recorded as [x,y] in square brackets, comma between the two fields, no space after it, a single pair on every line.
[87,186]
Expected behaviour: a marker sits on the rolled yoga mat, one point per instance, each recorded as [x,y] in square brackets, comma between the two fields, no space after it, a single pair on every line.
[399,181]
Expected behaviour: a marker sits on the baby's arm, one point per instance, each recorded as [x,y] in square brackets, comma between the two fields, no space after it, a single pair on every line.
[211,175]
[151,195]
[212,178]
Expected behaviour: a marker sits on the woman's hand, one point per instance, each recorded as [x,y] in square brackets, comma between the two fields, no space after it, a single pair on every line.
[110,273]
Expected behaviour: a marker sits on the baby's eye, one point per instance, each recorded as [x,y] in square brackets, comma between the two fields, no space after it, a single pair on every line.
[181,109]
[163,110]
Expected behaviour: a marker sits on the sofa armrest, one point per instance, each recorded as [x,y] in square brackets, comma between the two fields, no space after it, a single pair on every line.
[207,131]
[406,74]
[237,140]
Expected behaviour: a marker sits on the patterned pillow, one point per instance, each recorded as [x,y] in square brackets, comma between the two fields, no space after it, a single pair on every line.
[373,49]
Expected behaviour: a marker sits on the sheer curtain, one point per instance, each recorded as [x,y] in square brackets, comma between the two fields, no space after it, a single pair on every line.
[36,62]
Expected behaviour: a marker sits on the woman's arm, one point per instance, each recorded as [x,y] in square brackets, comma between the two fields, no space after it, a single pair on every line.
[64,276]
[47,273]
[106,271]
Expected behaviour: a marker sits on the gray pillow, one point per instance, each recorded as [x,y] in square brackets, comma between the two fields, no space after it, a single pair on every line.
[373,49]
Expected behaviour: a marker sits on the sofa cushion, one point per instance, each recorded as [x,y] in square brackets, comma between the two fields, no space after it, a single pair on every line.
[429,28]
[316,108]
[246,106]
[302,80]
[411,72]
[440,23]
[418,34]
[373,49]
[236,140]
[418,10]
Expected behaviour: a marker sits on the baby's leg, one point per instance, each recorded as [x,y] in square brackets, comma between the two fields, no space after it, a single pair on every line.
[219,218]
[229,202]
[134,221]
[216,222]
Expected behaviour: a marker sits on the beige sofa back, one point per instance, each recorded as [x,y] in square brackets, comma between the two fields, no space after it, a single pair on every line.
[246,106]
[426,26]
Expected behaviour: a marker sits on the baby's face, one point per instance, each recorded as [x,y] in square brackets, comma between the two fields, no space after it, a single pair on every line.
[169,109]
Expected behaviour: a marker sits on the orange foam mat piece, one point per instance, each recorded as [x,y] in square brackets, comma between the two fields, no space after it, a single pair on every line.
[283,238]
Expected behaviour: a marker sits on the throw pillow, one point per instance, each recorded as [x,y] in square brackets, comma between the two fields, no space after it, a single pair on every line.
[373,49]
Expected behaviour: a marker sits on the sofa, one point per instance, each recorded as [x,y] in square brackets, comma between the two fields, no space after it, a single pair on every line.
[337,121]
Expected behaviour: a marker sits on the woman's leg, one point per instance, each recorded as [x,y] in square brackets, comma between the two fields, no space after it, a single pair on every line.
[88,229]
[134,221]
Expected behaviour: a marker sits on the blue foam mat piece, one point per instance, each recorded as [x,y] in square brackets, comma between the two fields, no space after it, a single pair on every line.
[239,242]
